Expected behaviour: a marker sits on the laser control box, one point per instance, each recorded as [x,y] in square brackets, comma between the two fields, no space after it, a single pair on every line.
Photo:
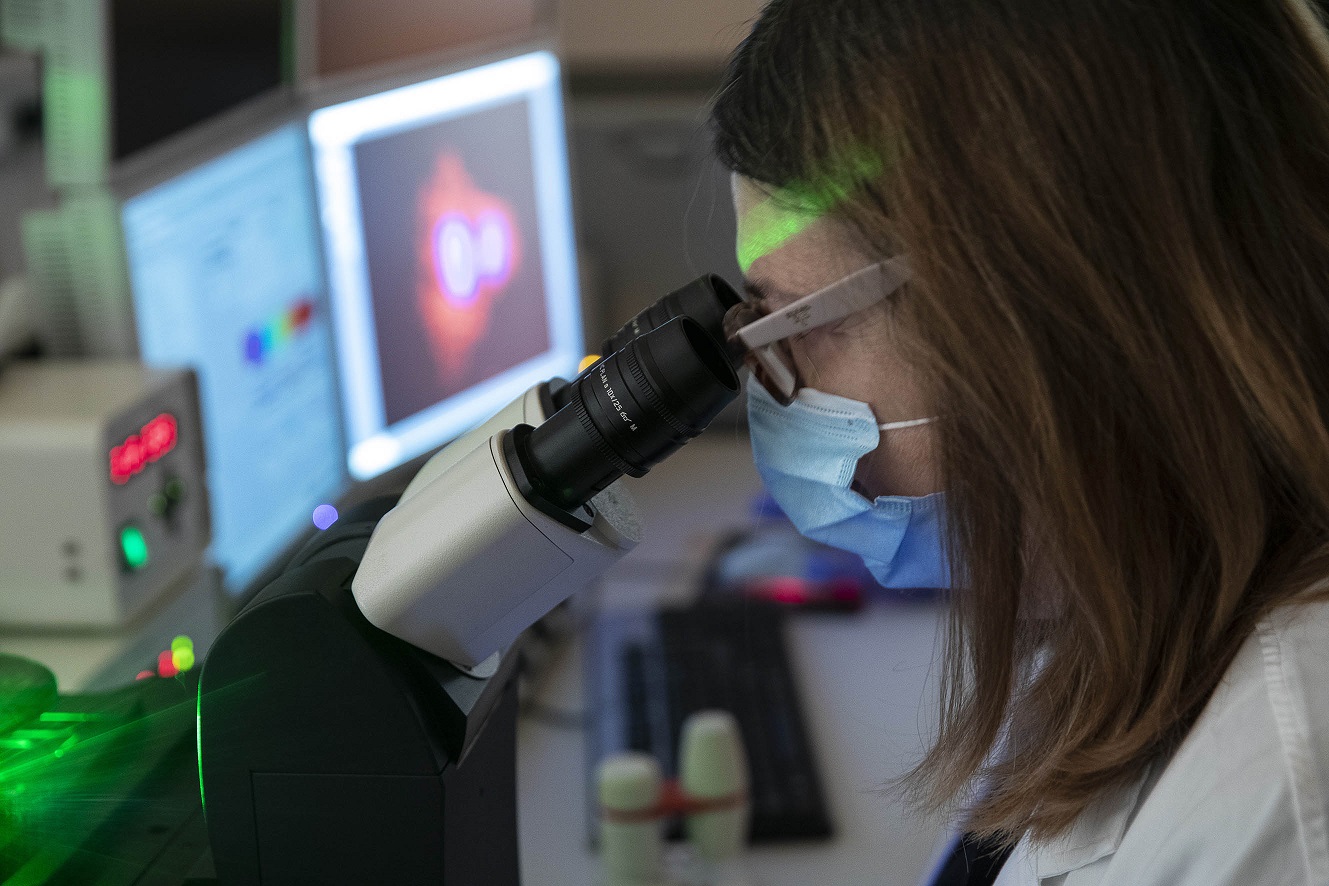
[103,506]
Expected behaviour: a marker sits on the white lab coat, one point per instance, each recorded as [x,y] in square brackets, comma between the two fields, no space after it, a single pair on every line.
[1244,801]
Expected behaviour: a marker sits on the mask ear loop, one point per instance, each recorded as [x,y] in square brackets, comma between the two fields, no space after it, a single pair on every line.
[901,425]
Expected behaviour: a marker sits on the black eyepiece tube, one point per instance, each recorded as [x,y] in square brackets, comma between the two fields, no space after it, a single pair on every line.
[705,300]
[629,412]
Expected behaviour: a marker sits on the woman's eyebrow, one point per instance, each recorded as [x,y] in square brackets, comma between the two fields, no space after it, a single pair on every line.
[755,291]
[763,294]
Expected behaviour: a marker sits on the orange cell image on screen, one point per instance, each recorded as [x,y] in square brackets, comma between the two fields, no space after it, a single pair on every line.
[468,249]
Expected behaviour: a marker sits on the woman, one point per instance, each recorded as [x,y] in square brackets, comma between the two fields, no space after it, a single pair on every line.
[1090,238]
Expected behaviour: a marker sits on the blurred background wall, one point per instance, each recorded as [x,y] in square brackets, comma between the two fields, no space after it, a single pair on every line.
[354,34]
[595,34]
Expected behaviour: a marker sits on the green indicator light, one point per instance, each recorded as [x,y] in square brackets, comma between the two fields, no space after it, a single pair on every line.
[182,642]
[183,659]
[134,546]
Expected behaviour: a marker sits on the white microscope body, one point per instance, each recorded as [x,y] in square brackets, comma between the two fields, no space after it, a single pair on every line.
[515,516]
[505,564]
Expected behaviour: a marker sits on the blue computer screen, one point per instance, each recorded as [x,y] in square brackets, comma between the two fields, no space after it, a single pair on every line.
[227,277]
[447,223]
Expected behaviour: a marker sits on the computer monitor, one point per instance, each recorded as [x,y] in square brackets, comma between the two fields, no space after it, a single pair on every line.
[447,225]
[123,75]
[178,62]
[227,277]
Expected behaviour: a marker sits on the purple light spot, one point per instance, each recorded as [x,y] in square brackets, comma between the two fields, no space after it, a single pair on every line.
[468,256]
[493,246]
[325,516]
[454,259]
[494,243]
[254,348]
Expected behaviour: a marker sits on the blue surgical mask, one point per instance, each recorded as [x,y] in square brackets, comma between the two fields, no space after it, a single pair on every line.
[807,453]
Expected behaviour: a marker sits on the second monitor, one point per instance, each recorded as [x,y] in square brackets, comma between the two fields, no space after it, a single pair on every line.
[448,230]
[227,278]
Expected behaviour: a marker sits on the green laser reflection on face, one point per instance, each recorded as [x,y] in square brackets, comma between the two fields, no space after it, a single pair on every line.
[765,228]
[787,212]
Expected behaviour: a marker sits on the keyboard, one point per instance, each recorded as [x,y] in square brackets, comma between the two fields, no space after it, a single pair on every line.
[646,672]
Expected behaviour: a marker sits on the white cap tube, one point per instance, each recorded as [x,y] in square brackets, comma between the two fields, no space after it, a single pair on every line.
[713,770]
[631,840]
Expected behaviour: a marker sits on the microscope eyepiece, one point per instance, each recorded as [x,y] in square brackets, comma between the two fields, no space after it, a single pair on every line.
[629,412]
[704,300]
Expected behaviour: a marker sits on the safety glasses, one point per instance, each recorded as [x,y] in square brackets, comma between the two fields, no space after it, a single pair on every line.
[766,336]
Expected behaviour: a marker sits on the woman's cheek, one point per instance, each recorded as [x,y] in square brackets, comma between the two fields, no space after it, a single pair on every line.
[904,463]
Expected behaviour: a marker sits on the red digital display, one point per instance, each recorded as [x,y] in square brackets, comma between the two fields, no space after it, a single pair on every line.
[157,438]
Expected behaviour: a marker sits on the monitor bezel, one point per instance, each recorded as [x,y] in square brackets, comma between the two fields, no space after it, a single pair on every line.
[281,98]
[206,142]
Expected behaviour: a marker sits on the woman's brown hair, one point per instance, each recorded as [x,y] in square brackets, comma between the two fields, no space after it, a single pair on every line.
[1118,216]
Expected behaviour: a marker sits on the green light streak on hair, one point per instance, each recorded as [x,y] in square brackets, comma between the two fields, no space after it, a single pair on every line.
[790,211]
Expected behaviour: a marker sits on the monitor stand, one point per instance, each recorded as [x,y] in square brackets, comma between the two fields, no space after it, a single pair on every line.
[331,752]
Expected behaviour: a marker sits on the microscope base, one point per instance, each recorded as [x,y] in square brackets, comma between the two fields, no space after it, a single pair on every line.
[333,753]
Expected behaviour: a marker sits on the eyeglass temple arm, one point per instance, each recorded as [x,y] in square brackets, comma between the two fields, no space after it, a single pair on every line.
[859,290]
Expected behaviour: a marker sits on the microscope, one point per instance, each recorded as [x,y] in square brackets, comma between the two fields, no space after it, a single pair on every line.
[357,720]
